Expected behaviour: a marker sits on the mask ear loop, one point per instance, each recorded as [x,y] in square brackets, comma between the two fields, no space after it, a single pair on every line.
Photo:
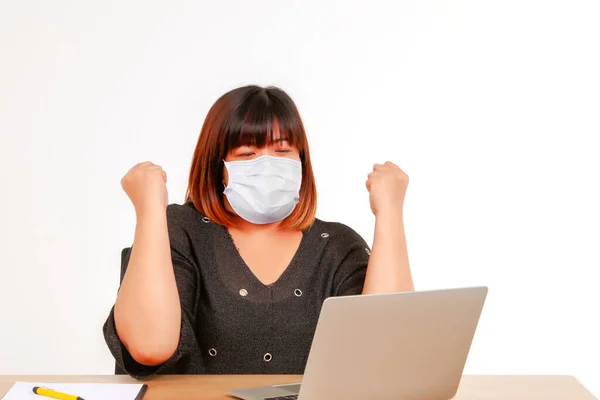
[223,180]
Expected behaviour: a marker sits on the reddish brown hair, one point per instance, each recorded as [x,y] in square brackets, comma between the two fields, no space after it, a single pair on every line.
[242,117]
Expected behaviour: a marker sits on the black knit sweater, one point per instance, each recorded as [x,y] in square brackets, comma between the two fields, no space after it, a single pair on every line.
[231,322]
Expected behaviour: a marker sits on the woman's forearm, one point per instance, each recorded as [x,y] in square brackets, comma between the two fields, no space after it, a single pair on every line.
[389,269]
[147,310]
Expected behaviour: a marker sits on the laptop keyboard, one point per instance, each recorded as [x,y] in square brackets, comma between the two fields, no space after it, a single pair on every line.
[286,397]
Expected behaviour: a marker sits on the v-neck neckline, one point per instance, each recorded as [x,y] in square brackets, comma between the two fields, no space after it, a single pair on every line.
[248,270]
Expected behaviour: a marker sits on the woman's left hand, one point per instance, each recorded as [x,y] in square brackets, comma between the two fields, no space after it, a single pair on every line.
[387,187]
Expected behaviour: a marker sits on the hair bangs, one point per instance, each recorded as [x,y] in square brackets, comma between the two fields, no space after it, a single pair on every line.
[262,119]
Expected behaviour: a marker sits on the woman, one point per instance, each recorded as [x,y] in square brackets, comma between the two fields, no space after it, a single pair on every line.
[232,281]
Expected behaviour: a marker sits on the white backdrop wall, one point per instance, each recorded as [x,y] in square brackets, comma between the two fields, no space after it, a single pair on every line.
[492,108]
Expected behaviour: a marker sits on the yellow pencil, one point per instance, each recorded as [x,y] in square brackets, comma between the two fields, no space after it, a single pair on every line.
[54,394]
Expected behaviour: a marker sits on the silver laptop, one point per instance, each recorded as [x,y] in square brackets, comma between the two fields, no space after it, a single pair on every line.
[386,346]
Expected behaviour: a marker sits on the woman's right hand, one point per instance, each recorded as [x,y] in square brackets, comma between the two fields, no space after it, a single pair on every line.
[146,186]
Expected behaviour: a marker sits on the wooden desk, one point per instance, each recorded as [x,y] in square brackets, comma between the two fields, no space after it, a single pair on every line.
[214,387]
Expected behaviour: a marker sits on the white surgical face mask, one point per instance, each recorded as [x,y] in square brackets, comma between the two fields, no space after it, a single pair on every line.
[264,190]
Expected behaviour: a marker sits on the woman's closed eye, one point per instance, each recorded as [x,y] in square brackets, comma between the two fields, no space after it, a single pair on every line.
[243,152]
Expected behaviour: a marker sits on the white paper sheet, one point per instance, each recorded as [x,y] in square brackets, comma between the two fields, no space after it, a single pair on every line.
[88,391]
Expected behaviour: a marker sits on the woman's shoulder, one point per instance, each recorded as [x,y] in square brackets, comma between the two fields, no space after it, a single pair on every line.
[184,213]
[338,232]
[186,222]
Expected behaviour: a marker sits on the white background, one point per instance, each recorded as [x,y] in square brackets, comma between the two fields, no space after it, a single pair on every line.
[491,107]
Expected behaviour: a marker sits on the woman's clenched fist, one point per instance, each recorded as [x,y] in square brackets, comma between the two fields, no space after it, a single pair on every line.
[146,186]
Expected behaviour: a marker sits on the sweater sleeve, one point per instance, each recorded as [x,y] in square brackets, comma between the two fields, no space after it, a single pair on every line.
[187,357]
[353,255]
